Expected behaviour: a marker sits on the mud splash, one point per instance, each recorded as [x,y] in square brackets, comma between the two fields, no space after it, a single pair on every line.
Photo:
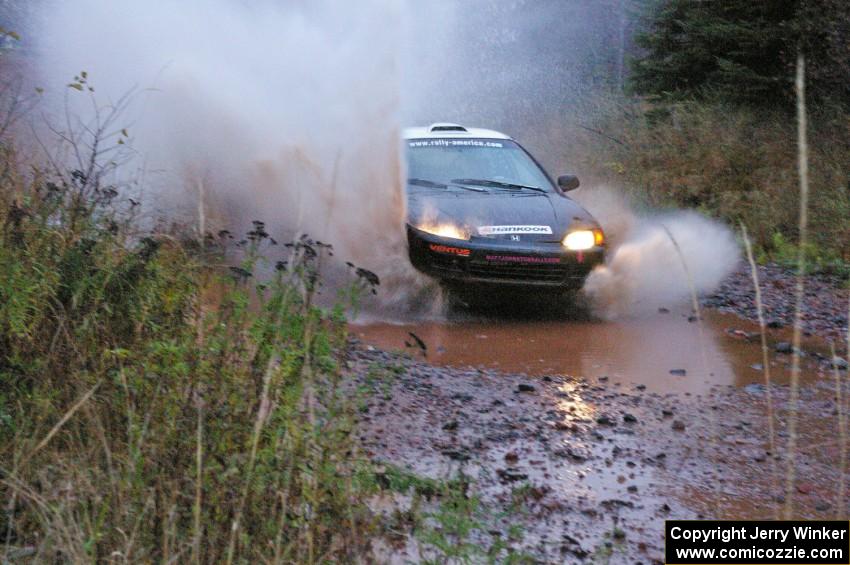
[654,257]
[285,112]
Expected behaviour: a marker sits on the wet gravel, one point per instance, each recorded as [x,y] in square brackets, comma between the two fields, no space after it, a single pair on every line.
[591,469]
[600,465]
[824,309]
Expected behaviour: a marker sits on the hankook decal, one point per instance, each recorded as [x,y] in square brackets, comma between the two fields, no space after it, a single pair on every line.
[451,250]
[498,230]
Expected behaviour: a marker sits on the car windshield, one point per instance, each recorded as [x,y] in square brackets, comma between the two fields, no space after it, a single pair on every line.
[489,163]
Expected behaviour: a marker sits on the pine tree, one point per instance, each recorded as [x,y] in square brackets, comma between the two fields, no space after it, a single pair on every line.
[744,50]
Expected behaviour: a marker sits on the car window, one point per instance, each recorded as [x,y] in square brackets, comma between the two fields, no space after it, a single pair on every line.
[443,160]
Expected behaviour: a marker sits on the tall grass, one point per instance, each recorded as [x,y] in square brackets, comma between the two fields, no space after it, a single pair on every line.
[843,411]
[799,288]
[692,289]
[765,357]
[842,436]
[159,402]
[734,163]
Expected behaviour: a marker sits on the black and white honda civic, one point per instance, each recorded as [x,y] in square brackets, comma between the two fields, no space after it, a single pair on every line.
[482,211]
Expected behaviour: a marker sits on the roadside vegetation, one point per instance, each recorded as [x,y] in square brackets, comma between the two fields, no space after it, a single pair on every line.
[723,125]
[167,397]
[161,400]
[735,164]
[708,120]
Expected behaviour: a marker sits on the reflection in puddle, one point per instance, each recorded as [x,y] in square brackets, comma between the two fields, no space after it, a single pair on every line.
[574,405]
[665,352]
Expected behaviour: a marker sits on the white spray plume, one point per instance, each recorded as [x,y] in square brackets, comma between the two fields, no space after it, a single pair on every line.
[289,112]
[279,110]
[644,271]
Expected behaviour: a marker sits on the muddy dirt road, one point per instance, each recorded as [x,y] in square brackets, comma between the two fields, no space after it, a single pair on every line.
[589,434]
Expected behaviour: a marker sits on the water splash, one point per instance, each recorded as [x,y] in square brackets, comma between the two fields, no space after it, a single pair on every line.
[643,271]
[280,111]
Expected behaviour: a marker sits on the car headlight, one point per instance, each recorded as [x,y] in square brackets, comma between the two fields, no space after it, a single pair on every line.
[450,231]
[581,240]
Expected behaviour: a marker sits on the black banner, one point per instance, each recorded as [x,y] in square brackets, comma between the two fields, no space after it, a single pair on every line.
[789,542]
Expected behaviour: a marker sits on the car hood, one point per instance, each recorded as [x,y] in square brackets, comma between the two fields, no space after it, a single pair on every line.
[524,210]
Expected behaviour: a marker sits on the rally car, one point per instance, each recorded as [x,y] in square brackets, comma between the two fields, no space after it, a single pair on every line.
[482,211]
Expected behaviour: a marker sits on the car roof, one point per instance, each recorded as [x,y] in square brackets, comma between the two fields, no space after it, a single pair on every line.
[448,130]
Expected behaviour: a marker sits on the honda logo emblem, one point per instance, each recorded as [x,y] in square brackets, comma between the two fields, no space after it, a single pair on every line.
[514,238]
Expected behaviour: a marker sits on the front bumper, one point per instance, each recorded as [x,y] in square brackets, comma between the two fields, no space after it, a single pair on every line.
[545,265]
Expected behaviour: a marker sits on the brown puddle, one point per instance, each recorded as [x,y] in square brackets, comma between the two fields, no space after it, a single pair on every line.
[637,351]
[718,463]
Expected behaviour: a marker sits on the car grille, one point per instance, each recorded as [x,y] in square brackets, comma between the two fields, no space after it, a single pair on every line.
[521,271]
[446,264]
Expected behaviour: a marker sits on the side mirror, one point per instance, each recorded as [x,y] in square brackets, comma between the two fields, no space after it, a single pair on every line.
[568,182]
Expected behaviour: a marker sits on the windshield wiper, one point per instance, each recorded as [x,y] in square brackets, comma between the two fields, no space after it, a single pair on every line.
[426,182]
[498,184]
[435,184]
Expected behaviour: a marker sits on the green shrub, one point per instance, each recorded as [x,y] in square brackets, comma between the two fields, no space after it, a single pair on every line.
[735,164]
[156,406]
